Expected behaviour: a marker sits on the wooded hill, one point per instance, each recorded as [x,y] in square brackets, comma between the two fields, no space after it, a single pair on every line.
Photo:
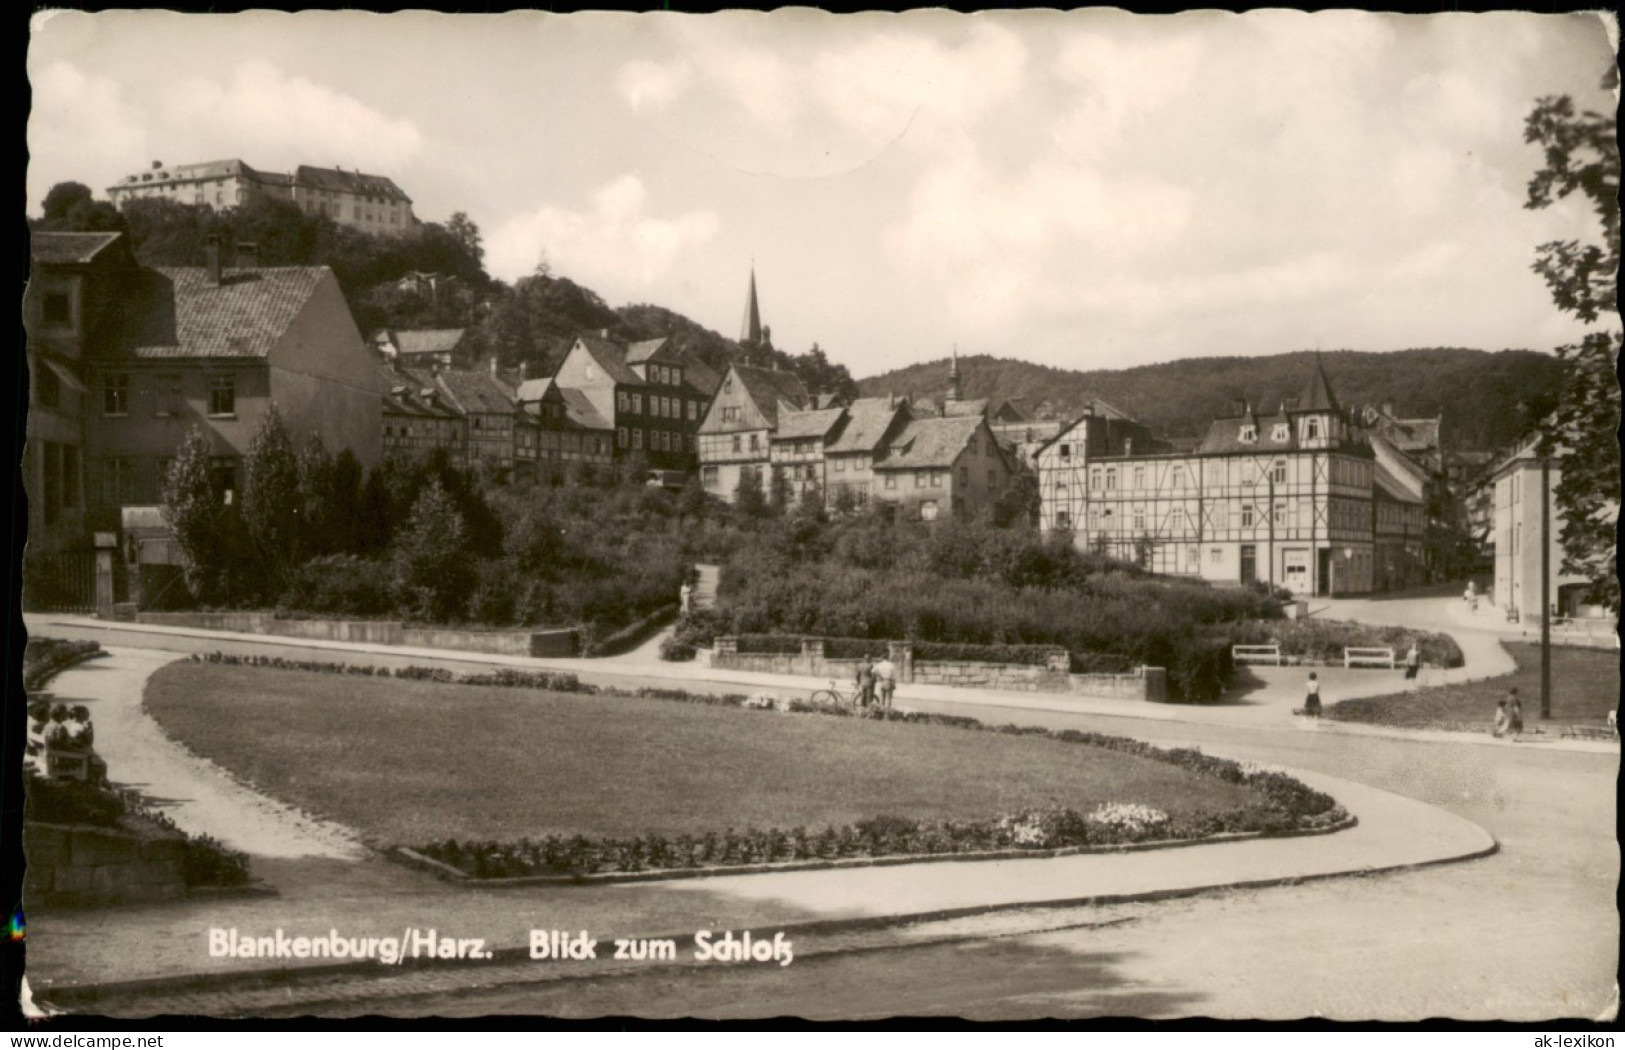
[1485,398]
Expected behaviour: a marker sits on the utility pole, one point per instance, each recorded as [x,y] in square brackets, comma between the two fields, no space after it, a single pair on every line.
[1272,530]
[1545,586]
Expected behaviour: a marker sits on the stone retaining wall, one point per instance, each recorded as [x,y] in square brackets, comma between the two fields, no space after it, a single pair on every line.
[1147,683]
[377,632]
[72,866]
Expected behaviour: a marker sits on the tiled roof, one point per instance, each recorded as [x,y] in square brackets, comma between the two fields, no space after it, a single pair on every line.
[177,312]
[701,376]
[933,443]
[767,387]
[533,390]
[579,409]
[336,180]
[1317,393]
[645,350]
[427,340]
[867,421]
[414,394]
[1224,435]
[814,424]
[610,357]
[475,390]
[70,249]
[976,406]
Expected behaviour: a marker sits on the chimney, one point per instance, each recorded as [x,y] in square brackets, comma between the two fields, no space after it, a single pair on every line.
[1128,446]
[493,364]
[248,255]
[1388,409]
[157,164]
[524,371]
[212,246]
[603,333]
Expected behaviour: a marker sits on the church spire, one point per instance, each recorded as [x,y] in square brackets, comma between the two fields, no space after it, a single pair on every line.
[751,331]
[954,391]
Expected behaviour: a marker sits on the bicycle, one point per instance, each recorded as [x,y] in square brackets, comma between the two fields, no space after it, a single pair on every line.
[833,697]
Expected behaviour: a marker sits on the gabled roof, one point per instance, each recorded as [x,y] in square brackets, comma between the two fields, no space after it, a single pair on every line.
[867,420]
[930,443]
[768,387]
[475,390]
[427,340]
[579,409]
[414,394]
[649,350]
[533,390]
[816,423]
[701,377]
[610,357]
[51,248]
[976,406]
[178,312]
[337,180]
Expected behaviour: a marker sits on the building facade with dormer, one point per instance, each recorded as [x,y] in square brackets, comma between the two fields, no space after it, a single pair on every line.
[370,203]
[946,467]
[1287,498]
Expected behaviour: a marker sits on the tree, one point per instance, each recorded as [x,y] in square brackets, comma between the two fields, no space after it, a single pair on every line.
[463,230]
[811,504]
[1582,156]
[69,208]
[1018,505]
[749,499]
[318,533]
[779,494]
[271,503]
[194,508]
[432,570]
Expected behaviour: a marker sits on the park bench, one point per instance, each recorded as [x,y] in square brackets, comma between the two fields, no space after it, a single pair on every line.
[1258,653]
[1368,656]
[1589,733]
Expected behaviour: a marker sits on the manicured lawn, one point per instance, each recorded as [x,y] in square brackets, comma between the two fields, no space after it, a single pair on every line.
[1585,687]
[411,761]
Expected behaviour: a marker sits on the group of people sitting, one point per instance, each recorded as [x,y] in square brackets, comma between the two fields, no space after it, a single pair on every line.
[877,682]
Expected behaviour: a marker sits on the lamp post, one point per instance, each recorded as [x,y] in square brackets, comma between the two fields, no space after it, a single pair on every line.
[1348,569]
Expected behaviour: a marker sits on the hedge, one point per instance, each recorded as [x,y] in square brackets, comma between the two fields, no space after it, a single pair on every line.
[45,658]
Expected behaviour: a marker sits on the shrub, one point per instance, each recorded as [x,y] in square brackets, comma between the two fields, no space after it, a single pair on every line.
[45,658]
[1026,655]
[205,861]
[340,585]
[72,802]
[769,643]
[675,649]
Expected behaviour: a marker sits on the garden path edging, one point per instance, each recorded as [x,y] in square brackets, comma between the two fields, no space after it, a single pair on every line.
[456,876]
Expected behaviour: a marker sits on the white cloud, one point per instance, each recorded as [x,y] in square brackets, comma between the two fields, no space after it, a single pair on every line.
[652,86]
[85,118]
[615,246]
[1120,84]
[290,120]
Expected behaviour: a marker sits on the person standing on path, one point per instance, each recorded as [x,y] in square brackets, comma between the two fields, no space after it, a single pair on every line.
[886,674]
[1502,719]
[1413,662]
[685,596]
[1515,715]
[866,682]
[1311,703]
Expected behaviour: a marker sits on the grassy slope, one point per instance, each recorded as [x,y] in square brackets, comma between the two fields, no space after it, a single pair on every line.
[1585,687]
[410,762]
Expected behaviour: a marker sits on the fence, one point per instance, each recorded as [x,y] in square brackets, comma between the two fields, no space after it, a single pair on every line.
[64,582]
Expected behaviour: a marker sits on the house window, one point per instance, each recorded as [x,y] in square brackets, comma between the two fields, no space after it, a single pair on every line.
[1247,517]
[1279,432]
[1178,477]
[693,411]
[738,445]
[1094,518]
[1215,555]
[964,475]
[637,439]
[1279,513]
[1249,434]
[1060,493]
[115,480]
[623,401]
[891,481]
[840,466]
[223,473]
[1278,471]
[708,477]
[1139,519]
[1094,480]
[919,479]
[57,310]
[223,396]
[928,510]
[1139,477]
[620,437]
[1311,428]
[167,395]
[1111,479]
[637,404]
[116,394]
[1066,452]
[860,463]
[754,443]
[1063,520]
[728,385]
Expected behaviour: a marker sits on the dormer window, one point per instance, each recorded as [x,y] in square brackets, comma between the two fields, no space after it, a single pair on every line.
[1249,434]
[1280,432]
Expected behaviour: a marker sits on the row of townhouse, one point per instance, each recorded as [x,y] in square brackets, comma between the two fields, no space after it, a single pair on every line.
[605,402]
[764,427]
[1303,499]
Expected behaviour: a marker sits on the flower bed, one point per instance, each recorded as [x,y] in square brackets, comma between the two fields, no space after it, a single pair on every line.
[45,658]
[1287,807]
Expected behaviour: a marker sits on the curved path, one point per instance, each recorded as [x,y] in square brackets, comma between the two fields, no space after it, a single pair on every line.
[199,796]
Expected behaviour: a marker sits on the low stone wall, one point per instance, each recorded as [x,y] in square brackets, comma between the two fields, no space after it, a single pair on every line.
[377,632]
[73,866]
[1147,683]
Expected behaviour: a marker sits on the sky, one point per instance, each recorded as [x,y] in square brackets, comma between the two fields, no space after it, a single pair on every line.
[1086,190]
